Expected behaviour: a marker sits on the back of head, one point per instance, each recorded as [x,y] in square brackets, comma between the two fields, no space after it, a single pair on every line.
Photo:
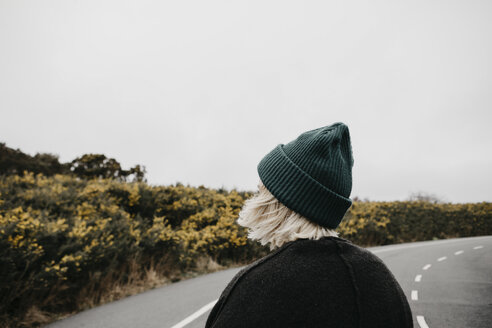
[304,188]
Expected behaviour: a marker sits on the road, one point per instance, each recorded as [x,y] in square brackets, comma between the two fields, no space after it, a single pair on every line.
[448,284]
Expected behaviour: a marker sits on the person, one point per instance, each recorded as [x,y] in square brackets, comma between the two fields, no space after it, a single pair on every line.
[312,278]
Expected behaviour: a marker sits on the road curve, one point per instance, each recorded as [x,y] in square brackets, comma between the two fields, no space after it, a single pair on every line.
[448,284]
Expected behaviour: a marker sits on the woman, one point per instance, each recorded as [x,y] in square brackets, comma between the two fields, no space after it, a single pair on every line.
[312,278]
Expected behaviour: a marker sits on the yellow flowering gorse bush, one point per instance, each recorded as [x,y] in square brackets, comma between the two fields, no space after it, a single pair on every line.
[57,233]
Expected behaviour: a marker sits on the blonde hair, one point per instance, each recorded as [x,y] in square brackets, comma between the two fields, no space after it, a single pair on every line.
[269,221]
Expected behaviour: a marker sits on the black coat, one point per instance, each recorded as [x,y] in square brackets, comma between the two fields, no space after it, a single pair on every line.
[313,283]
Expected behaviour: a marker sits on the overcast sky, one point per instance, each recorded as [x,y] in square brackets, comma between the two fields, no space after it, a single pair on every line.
[199,91]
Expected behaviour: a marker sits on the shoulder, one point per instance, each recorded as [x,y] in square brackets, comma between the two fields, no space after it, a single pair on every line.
[362,262]
[356,254]
[327,249]
[301,256]
[299,259]
[310,259]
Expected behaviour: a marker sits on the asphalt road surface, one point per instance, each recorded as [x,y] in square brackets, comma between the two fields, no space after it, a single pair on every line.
[448,283]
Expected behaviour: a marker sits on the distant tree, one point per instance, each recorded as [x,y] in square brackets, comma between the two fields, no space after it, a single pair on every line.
[96,166]
[358,199]
[14,161]
[49,164]
[99,166]
[424,197]
[136,173]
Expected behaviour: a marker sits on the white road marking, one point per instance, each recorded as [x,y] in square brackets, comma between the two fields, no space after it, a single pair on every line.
[427,266]
[478,247]
[195,315]
[458,252]
[421,321]
[418,278]
[415,295]
[441,258]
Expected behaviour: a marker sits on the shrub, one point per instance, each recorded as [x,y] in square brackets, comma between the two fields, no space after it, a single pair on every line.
[67,242]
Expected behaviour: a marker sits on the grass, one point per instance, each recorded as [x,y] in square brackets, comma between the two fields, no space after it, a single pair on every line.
[117,284]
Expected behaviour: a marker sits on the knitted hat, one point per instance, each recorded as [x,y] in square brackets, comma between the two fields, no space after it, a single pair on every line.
[312,175]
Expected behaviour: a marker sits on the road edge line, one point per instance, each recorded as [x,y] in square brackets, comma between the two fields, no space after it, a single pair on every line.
[195,315]
[421,321]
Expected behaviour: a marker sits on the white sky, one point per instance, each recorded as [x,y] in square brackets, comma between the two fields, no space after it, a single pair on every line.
[199,91]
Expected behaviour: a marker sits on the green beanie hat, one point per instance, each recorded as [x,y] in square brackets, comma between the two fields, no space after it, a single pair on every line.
[312,175]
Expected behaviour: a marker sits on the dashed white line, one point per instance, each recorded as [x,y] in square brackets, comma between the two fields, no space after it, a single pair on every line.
[421,321]
[195,315]
[418,278]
